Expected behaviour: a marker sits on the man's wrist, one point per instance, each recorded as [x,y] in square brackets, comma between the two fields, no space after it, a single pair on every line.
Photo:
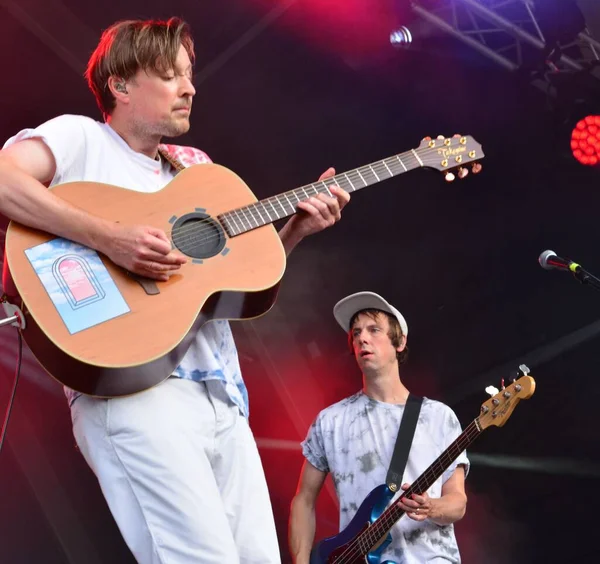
[289,237]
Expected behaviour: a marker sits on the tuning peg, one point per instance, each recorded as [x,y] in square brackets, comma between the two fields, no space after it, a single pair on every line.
[457,135]
[426,139]
[502,386]
[476,168]
[449,177]
[462,172]
[492,390]
[440,137]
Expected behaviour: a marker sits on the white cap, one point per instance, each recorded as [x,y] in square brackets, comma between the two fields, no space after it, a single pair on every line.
[345,309]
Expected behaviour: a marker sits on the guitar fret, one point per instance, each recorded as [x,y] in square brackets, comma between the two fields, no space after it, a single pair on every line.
[361,177]
[281,206]
[230,229]
[258,207]
[241,220]
[340,181]
[235,226]
[403,165]
[244,218]
[274,210]
[417,157]
[349,182]
[254,213]
[252,216]
[378,179]
[288,201]
[388,168]
[267,212]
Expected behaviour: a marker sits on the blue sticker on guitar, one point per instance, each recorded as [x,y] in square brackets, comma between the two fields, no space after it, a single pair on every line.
[78,284]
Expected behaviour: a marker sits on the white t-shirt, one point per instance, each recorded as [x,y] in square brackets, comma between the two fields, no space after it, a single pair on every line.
[85,149]
[354,439]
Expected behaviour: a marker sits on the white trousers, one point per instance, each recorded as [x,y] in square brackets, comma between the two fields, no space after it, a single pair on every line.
[181,473]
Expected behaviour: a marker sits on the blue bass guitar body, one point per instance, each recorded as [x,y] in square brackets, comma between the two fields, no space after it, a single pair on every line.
[345,548]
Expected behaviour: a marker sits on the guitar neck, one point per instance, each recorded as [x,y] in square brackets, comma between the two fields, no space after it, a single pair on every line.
[393,513]
[271,209]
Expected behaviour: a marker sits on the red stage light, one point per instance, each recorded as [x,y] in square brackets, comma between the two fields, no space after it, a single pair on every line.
[585,141]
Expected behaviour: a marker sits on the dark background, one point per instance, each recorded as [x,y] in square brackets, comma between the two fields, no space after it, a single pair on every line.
[284,90]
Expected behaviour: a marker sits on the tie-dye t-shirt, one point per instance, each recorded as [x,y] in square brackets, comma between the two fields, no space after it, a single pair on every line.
[354,439]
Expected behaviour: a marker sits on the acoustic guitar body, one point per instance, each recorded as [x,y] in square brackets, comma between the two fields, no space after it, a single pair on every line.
[102,331]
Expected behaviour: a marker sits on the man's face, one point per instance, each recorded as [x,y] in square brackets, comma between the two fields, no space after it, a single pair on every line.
[160,104]
[373,348]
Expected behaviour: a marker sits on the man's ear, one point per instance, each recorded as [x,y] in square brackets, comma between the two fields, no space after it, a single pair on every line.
[118,88]
[402,344]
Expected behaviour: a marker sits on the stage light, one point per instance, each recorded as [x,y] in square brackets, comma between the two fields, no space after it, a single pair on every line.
[585,141]
[401,37]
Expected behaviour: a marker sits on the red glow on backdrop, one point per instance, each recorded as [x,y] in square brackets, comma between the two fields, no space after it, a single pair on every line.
[585,141]
[346,27]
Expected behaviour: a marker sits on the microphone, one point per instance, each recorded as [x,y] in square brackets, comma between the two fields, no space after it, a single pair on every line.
[549,260]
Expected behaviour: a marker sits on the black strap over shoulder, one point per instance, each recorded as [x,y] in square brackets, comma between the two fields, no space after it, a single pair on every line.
[410,417]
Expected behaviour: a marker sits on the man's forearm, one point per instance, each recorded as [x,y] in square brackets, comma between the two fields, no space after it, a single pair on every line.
[302,531]
[289,239]
[25,200]
[448,509]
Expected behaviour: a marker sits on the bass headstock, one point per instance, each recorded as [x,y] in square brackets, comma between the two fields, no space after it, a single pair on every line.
[500,406]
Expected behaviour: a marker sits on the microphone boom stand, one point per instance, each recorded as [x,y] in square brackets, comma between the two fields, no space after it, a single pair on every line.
[584,276]
[15,317]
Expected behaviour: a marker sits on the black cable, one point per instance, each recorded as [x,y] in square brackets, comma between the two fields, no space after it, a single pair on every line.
[14,391]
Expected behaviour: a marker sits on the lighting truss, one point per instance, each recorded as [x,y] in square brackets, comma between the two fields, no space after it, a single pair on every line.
[504,30]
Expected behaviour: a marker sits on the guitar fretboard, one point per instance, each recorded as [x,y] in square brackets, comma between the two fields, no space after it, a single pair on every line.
[369,538]
[271,209]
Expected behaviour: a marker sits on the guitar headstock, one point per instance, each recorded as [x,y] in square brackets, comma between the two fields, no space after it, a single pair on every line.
[500,406]
[451,155]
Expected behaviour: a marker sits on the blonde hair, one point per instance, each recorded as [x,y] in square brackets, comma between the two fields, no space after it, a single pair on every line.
[131,45]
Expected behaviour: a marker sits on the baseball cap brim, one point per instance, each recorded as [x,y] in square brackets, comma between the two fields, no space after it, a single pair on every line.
[345,309]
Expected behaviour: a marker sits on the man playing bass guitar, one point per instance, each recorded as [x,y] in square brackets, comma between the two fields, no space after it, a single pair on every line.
[354,441]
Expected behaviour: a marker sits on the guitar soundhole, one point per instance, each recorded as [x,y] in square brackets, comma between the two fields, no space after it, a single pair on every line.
[197,235]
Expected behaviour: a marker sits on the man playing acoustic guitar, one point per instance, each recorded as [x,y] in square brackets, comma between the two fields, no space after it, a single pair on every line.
[354,440]
[177,463]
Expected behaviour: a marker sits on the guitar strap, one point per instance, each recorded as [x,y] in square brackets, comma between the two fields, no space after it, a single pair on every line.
[406,433]
[172,160]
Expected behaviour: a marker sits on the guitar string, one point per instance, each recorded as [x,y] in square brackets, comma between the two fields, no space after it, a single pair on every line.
[367,539]
[381,165]
[251,213]
[197,234]
[387,518]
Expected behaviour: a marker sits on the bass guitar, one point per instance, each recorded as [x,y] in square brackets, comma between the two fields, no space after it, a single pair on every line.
[368,534]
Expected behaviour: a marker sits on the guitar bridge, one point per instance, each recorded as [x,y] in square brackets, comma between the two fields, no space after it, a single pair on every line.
[149,285]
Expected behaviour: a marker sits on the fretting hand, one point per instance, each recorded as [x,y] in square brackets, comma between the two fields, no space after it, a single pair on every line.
[318,212]
[417,507]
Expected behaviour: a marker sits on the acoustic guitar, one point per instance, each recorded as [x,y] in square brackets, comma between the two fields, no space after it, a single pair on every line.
[105,332]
